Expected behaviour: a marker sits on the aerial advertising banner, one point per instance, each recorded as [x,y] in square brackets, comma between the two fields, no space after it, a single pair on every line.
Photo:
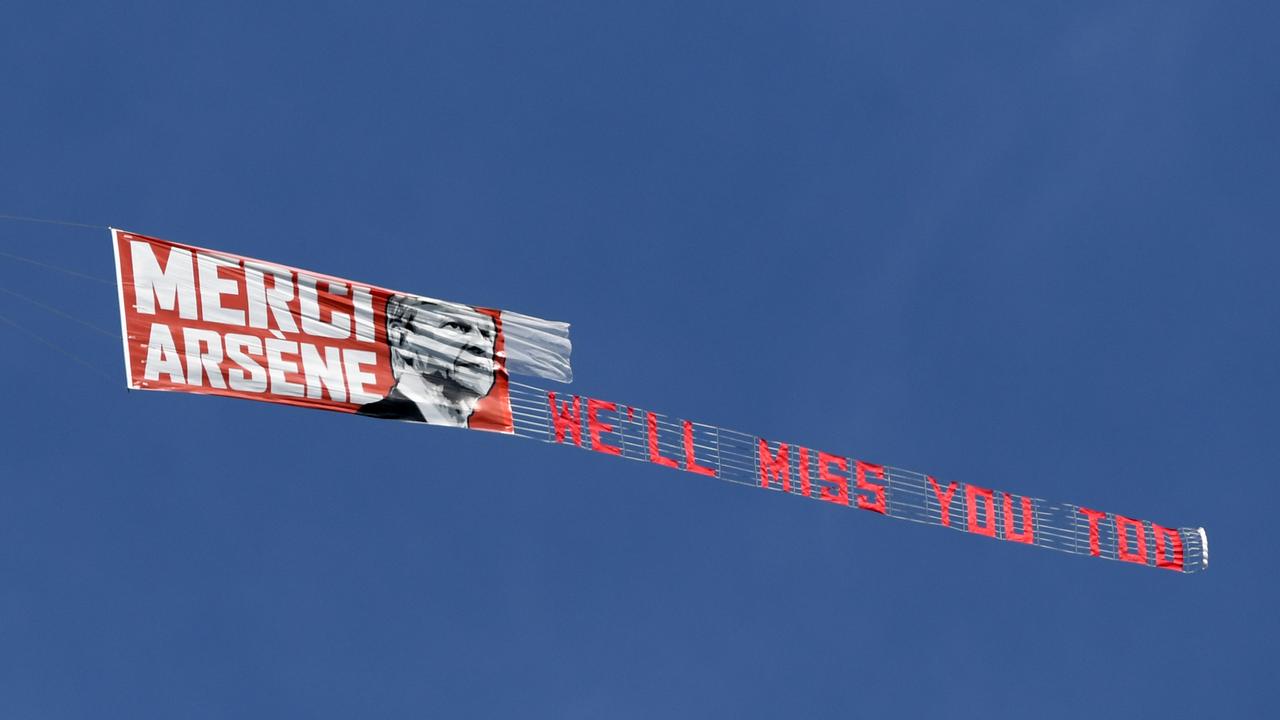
[630,432]
[209,322]
[201,321]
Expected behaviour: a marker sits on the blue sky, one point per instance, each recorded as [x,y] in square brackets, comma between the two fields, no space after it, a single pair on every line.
[1029,246]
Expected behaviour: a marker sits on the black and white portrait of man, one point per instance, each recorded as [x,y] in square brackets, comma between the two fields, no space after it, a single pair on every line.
[442,360]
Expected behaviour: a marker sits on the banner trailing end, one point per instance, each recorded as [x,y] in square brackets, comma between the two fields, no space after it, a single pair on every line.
[1204,547]
[537,347]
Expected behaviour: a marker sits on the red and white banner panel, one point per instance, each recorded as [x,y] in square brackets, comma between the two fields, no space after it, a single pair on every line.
[628,431]
[202,321]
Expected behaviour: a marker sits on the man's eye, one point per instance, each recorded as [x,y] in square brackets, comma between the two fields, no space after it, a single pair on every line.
[455,325]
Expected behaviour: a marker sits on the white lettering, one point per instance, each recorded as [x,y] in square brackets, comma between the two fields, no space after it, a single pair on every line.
[162,356]
[338,327]
[203,362]
[326,371]
[358,378]
[238,347]
[276,297]
[277,366]
[363,301]
[173,285]
[213,287]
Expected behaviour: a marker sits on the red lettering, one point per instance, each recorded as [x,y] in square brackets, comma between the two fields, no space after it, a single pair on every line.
[691,463]
[1122,540]
[654,455]
[944,499]
[804,471]
[1094,516]
[841,494]
[1175,547]
[971,495]
[596,427]
[774,465]
[564,419]
[860,473]
[1028,534]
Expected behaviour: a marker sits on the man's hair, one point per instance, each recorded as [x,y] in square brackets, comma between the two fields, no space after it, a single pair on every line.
[400,306]
[400,309]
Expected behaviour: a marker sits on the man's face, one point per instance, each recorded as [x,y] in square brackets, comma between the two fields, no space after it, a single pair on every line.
[445,341]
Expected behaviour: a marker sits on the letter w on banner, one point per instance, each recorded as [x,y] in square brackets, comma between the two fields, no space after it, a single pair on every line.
[202,321]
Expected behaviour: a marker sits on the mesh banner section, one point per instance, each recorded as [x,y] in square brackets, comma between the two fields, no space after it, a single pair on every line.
[635,433]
